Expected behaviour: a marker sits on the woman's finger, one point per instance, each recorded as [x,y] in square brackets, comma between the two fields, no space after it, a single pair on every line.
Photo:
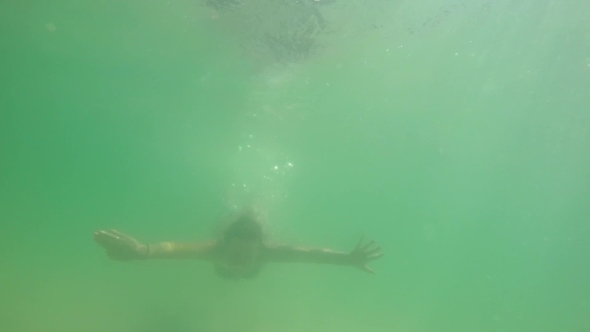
[374,257]
[373,251]
[368,245]
[106,238]
[117,233]
[360,243]
[102,235]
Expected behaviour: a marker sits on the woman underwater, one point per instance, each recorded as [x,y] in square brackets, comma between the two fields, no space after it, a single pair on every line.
[239,253]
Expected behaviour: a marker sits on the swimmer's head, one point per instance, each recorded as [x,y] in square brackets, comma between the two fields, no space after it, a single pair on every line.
[242,241]
[245,226]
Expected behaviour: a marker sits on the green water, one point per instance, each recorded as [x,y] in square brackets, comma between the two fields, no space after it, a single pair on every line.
[457,135]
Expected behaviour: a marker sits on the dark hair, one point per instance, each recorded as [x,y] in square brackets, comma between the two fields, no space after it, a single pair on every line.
[245,226]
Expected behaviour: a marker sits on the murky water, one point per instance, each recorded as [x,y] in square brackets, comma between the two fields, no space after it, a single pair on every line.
[454,133]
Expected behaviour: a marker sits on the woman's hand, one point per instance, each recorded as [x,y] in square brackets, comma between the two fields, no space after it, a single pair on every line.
[363,254]
[119,246]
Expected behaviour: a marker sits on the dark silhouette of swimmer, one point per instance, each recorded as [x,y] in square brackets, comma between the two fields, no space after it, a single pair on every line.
[239,253]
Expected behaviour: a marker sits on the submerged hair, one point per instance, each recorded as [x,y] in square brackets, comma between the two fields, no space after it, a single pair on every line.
[245,225]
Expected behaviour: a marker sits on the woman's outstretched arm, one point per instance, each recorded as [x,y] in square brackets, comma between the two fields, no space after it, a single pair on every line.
[359,257]
[122,247]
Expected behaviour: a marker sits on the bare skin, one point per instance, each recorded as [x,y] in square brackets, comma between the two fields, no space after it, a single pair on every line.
[237,253]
